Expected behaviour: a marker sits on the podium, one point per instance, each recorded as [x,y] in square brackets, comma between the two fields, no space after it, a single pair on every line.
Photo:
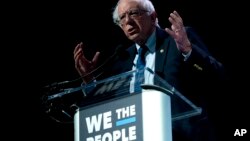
[112,110]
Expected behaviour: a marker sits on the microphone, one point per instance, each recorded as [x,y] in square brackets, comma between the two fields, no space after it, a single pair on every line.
[55,104]
[55,84]
[118,52]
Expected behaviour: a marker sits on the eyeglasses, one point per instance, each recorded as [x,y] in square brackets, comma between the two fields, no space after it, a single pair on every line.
[133,14]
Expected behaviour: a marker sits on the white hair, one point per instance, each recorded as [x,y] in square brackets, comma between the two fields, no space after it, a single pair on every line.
[146,4]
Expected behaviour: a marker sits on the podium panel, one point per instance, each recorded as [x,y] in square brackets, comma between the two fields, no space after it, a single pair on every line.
[112,110]
[144,117]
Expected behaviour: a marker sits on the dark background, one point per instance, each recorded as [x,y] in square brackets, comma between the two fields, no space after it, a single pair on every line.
[41,37]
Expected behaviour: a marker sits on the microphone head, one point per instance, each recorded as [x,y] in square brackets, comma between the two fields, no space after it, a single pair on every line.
[121,51]
[120,48]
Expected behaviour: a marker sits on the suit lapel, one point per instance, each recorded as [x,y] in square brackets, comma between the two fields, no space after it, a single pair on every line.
[132,51]
[161,50]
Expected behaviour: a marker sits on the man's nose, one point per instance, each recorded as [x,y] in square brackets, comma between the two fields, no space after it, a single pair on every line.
[127,18]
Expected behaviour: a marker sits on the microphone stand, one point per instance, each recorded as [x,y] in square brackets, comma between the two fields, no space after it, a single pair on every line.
[65,99]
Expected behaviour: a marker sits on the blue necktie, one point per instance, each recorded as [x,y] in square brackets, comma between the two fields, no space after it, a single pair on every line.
[140,65]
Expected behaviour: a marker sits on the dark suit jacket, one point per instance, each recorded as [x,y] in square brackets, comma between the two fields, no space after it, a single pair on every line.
[200,67]
[195,78]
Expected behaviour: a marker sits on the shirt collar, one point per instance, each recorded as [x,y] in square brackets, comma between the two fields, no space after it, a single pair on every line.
[151,42]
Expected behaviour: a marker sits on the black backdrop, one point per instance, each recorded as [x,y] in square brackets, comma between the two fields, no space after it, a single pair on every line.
[44,34]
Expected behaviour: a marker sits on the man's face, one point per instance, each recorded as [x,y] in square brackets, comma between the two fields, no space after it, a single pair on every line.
[135,21]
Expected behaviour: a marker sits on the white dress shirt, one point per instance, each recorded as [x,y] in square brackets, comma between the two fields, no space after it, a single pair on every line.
[150,61]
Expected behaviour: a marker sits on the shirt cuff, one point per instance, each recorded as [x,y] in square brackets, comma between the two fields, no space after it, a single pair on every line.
[186,56]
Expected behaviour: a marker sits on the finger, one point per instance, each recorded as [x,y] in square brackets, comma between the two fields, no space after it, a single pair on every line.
[80,59]
[77,56]
[174,25]
[175,28]
[81,62]
[179,17]
[170,32]
[77,52]
[77,61]
[80,55]
[78,66]
[173,22]
[78,46]
[176,17]
[95,58]
[81,65]
[177,14]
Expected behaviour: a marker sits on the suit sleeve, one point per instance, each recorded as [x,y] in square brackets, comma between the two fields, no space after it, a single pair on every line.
[201,60]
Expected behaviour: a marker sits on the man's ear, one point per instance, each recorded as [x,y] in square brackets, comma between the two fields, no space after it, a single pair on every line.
[154,17]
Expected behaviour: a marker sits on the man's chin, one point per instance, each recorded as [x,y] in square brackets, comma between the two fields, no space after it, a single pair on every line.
[133,37]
